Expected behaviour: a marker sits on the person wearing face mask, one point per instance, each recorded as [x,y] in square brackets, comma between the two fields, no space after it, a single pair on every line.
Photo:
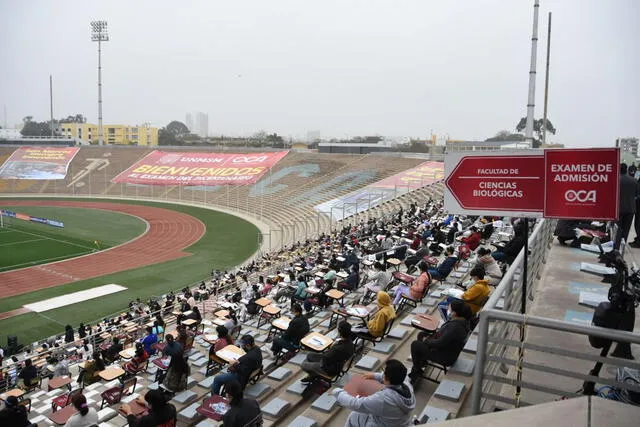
[475,297]
[445,345]
[241,369]
[243,411]
[493,274]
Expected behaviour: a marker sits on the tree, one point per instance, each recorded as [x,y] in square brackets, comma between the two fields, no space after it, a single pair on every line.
[505,135]
[178,129]
[165,137]
[33,128]
[537,129]
[77,118]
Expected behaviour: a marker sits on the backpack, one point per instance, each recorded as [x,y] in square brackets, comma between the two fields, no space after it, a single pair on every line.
[631,377]
[604,316]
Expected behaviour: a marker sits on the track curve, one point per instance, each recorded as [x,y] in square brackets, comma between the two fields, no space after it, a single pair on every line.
[169,232]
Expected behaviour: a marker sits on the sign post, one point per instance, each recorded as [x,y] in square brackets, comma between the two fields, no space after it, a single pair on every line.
[501,184]
[582,183]
[554,183]
[557,183]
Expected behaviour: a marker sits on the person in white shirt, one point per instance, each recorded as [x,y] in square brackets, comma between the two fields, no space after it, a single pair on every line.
[85,417]
[379,279]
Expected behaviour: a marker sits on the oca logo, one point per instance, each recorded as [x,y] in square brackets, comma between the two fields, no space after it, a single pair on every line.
[249,159]
[580,196]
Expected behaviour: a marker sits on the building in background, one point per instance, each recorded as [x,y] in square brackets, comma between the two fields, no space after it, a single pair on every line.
[454,145]
[353,147]
[628,145]
[189,122]
[202,125]
[113,134]
[313,136]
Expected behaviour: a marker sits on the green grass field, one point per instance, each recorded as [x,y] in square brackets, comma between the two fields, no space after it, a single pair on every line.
[228,241]
[25,243]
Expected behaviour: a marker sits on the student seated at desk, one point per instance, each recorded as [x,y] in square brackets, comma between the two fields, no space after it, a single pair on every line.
[442,271]
[111,353]
[473,239]
[445,345]
[149,340]
[138,361]
[379,279]
[297,329]
[351,282]
[493,274]
[14,414]
[241,369]
[223,340]
[195,314]
[375,327]
[252,308]
[91,371]
[158,328]
[242,412]
[28,374]
[417,288]
[161,413]
[332,361]
[85,417]
[476,296]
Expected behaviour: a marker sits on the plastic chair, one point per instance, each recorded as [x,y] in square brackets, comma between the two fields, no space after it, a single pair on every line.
[114,394]
[64,400]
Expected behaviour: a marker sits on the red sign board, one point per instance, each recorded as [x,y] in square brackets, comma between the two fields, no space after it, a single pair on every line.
[564,183]
[498,183]
[582,184]
[191,168]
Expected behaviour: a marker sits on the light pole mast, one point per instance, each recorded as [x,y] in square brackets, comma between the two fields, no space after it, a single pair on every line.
[531,101]
[99,34]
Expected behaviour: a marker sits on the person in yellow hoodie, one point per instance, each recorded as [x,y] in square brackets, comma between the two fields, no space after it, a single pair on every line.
[375,326]
[478,293]
[475,297]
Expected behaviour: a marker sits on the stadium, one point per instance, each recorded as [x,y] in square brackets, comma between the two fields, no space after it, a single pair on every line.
[100,249]
[308,214]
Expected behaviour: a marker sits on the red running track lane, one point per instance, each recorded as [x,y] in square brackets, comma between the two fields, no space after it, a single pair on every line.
[168,234]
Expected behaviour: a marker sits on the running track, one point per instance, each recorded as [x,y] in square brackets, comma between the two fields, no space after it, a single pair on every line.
[168,234]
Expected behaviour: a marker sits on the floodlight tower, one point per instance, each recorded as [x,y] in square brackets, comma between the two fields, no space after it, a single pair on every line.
[99,34]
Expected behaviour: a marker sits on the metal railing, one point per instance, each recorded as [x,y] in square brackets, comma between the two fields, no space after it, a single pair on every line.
[545,381]
[506,364]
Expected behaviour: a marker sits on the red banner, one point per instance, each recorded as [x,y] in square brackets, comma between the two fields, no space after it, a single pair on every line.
[190,168]
[582,183]
[38,163]
[414,178]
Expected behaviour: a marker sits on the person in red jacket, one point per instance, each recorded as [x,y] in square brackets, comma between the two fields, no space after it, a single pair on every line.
[472,240]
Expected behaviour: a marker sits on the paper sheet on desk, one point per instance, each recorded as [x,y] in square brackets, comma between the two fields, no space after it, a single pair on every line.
[227,354]
[358,311]
[317,342]
[452,292]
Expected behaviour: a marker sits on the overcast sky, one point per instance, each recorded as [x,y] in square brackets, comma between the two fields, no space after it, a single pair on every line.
[344,67]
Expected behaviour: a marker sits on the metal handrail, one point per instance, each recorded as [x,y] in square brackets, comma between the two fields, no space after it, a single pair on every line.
[489,315]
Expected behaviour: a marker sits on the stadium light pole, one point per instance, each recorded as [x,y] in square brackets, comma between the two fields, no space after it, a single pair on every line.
[99,34]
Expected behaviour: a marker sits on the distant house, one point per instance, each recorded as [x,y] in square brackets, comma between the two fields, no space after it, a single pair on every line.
[452,146]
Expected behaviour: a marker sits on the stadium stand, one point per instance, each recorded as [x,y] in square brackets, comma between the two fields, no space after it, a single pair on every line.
[283,398]
[284,198]
[441,390]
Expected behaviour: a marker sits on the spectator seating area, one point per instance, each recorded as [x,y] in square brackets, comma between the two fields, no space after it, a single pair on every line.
[283,398]
[284,198]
